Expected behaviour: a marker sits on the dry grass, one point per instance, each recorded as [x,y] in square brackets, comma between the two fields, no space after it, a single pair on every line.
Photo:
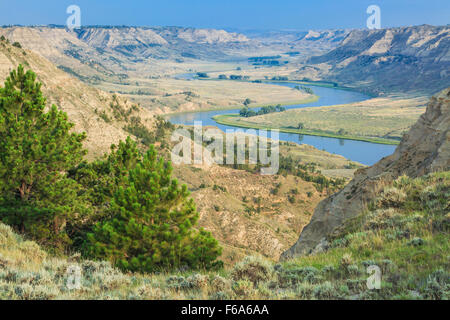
[379,118]
[244,212]
[409,243]
[172,95]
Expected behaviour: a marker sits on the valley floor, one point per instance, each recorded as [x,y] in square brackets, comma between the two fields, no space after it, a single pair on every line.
[169,95]
[378,120]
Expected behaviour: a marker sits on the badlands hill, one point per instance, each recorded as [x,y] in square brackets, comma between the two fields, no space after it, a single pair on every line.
[95,53]
[90,109]
[408,59]
[415,60]
[101,53]
[423,150]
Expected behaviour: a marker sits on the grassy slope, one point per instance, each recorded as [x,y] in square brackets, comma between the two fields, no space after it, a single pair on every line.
[380,120]
[405,233]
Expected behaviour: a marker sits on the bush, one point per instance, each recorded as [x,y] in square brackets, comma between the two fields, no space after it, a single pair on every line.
[290,277]
[243,288]
[392,198]
[353,270]
[220,295]
[252,268]
[346,260]
[198,281]
[178,283]
[438,285]
[324,291]
[416,242]
[219,283]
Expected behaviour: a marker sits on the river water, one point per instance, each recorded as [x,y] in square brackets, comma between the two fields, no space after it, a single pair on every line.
[363,152]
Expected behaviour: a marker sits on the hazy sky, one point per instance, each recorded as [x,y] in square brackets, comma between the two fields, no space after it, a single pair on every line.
[241,14]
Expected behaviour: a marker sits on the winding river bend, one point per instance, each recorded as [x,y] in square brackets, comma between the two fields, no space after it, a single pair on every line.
[363,152]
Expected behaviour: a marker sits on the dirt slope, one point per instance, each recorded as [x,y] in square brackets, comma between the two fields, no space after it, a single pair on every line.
[424,149]
[82,103]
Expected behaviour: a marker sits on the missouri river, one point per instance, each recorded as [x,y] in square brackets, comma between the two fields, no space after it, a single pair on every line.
[363,152]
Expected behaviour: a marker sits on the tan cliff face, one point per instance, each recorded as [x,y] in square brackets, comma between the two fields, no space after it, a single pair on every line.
[105,53]
[424,149]
[83,104]
[397,60]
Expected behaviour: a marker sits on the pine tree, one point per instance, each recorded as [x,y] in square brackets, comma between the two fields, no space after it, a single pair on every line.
[102,177]
[37,148]
[100,180]
[151,224]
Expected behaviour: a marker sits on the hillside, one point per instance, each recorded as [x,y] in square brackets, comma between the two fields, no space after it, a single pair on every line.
[301,44]
[393,215]
[403,233]
[423,150]
[220,193]
[90,109]
[406,237]
[380,62]
[115,53]
[140,64]
[408,59]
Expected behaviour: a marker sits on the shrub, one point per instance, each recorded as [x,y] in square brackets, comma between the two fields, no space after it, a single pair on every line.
[243,288]
[438,285]
[305,290]
[178,283]
[416,242]
[219,283]
[346,260]
[353,270]
[252,268]
[289,277]
[198,281]
[356,284]
[324,291]
[392,197]
[220,295]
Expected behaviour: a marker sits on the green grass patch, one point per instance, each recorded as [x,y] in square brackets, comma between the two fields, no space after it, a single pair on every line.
[237,121]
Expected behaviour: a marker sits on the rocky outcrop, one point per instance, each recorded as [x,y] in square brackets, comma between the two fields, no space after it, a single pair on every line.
[415,59]
[424,149]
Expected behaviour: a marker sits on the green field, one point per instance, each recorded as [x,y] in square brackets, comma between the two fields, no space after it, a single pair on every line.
[235,120]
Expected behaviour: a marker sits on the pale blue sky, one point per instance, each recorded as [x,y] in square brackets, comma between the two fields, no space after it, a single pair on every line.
[241,14]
